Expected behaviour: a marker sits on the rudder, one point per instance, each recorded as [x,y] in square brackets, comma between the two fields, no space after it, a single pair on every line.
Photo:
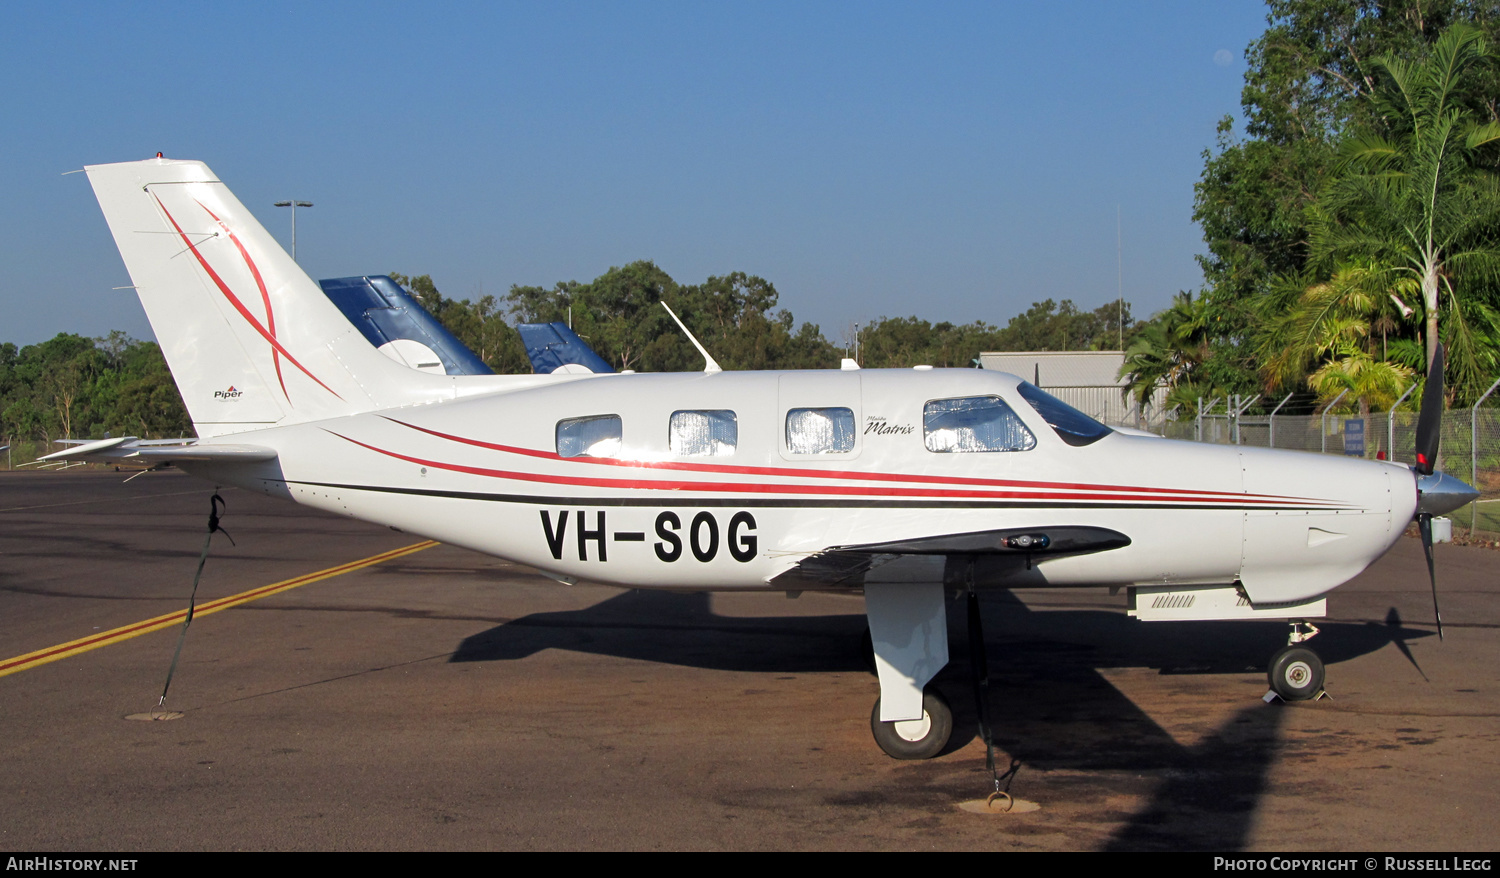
[251,340]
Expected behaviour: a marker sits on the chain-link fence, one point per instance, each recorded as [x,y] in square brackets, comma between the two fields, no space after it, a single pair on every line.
[21,454]
[23,451]
[1470,447]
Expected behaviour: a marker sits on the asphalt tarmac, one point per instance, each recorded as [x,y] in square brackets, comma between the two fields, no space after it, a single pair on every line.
[445,700]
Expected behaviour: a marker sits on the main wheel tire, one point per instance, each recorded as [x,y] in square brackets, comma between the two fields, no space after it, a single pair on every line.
[1296,673]
[918,738]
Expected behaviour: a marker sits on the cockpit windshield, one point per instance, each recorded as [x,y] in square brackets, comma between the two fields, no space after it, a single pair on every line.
[1071,425]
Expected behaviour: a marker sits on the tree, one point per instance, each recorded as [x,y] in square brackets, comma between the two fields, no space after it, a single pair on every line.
[619,315]
[479,326]
[1054,326]
[1310,79]
[1414,197]
[74,386]
[1170,351]
[1339,327]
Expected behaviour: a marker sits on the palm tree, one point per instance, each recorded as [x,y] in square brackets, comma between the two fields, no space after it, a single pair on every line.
[1337,326]
[1413,203]
[1167,351]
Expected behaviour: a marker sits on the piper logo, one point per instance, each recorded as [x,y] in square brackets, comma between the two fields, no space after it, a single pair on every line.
[231,393]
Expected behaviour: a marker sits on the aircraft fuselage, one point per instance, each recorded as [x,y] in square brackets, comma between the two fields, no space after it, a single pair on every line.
[486,473]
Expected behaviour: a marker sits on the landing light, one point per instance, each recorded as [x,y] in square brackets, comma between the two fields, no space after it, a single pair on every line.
[1027,541]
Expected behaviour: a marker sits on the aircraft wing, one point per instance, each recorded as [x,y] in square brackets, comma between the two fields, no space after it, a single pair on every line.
[129,449]
[846,566]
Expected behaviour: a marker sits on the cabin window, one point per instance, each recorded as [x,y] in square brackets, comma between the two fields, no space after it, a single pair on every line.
[704,434]
[820,431]
[597,436]
[1071,425]
[975,423]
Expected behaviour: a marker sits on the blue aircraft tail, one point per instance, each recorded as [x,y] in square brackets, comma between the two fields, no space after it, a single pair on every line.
[554,347]
[394,322]
[397,324]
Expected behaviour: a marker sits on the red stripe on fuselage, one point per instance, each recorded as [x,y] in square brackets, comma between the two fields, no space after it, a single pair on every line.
[789,472]
[1108,495]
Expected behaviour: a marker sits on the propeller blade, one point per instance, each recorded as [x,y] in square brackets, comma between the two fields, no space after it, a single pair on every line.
[1430,419]
[1424,524]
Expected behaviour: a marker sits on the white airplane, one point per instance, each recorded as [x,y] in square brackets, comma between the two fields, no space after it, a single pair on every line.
[906,484]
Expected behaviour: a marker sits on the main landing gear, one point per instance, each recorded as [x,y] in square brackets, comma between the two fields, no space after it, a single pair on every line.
[1296,672]
[908,646]
[915,738]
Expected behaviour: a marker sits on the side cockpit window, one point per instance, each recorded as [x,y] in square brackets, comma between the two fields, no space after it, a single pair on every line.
[820,431]
[712,433]
[974,423]
[1072,426]
[596,436]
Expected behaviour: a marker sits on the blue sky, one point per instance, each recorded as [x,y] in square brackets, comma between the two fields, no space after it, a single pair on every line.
[954,161]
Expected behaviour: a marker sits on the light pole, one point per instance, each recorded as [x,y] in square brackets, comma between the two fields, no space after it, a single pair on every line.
[293,205]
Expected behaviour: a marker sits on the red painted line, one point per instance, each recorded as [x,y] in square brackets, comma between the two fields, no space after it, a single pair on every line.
[819,490]
[265,297]
[785,472]
[234,300]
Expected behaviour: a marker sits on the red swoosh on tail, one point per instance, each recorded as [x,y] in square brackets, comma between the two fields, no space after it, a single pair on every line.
[265,297]
[235,301]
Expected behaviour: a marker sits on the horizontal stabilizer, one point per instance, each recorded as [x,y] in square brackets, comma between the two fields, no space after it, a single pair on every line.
[129,449]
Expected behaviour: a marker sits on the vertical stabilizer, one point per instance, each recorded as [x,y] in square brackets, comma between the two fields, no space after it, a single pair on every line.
[251,340]
[553,347]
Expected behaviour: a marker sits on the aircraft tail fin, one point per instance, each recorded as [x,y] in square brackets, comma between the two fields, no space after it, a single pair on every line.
[398,326]
[251,340]
[553,347]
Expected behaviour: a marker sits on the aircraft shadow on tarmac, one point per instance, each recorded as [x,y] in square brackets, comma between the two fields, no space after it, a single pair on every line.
[1050,706]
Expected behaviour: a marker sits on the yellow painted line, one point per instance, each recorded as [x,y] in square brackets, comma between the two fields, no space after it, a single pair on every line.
[105,638]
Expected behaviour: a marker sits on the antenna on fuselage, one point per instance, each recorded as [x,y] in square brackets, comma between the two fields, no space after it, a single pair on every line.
[708,362]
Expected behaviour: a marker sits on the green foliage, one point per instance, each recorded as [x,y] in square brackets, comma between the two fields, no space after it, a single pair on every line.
[902,342]
[75,387]
[1062,327]
[479,325]
[1414,200]
[736,311]
[1365,170]
[1310,79]
[619,315]
[736,318]
[899,342]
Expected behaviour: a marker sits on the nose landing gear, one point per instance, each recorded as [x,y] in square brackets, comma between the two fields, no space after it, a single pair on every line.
[1296,672]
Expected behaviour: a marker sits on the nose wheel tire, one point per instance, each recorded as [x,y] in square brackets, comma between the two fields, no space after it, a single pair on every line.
[918,738]
[1296,673]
